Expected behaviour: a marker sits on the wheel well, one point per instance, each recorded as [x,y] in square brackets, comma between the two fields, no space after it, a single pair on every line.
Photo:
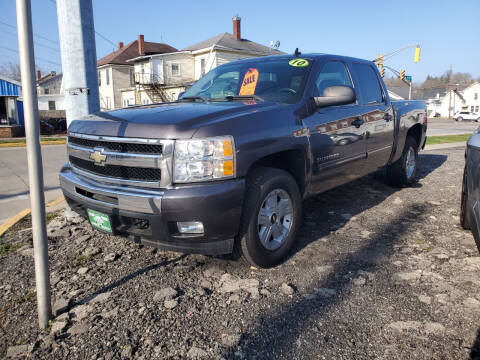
[415,132]
[292,161]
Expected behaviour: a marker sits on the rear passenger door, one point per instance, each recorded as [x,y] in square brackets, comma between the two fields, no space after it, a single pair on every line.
[377,113]
[336,133]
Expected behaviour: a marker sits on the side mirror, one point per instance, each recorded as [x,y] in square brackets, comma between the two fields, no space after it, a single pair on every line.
[336,95]
[180,94]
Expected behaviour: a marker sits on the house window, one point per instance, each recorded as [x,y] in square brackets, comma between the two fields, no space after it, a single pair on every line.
[51,105]
[175,69]
[46,91]
[108,77]
[99,78]
[202,67]
[476,108]
[132,77]
[475,96]
[472,108]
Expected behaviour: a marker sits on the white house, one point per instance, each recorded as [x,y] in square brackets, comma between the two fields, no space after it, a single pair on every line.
[162,77]
[50,95]
[467,99]
[116,74]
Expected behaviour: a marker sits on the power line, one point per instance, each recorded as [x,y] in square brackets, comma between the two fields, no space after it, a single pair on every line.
[36,35]
[36,58]
[96,32]
[35,43]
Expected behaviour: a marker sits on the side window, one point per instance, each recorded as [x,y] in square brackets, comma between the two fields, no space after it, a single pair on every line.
[333,73]
[369,84]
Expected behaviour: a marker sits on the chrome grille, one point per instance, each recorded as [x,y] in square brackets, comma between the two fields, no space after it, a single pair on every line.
[116,146]
[121,160]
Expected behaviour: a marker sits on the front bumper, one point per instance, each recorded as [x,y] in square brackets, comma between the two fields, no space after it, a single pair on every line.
[149,216]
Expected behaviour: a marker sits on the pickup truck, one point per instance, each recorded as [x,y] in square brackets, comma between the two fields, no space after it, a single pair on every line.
[224,169]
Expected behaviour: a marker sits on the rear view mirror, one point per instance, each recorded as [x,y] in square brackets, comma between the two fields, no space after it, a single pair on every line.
[336,95]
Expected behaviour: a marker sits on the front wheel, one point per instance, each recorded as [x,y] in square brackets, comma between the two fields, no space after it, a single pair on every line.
[459,118]
[403,172]
[271,217]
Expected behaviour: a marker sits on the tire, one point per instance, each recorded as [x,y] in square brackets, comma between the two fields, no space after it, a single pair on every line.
[478,120]
[465,215]
[401,173]
[459,118]
[268,191]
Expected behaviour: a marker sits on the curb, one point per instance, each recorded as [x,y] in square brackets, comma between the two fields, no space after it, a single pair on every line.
[445,146]
[22,144]
[20,215]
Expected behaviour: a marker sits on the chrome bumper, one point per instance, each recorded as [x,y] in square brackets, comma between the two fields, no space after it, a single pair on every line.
[82,188]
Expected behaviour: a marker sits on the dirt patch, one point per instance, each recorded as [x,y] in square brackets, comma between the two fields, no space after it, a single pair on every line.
[377,272]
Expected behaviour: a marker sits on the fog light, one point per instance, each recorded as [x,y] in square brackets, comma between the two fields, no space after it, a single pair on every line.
[190,227]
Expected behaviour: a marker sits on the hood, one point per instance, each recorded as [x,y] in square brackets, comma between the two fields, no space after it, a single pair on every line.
[164,121]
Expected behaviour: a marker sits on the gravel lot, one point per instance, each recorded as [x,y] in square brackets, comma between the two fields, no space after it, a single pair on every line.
[378,272]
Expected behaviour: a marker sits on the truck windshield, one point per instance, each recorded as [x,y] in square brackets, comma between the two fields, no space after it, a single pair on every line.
[279,80]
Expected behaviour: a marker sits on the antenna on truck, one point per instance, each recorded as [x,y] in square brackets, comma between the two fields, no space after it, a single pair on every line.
[297,53]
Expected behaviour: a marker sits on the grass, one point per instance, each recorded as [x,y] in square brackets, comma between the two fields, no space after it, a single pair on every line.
[9,247]
[82,260]
[435,140]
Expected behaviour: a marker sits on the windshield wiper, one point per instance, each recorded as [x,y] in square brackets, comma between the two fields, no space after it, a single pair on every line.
[194,98]
[238,97]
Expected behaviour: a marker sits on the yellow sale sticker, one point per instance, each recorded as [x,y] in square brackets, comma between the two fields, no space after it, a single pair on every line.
[298,62]
[249,82]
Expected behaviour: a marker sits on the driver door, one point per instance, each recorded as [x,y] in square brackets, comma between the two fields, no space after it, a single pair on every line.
[337,134]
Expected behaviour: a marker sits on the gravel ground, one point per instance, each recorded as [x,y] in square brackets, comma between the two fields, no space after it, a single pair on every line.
[377,272]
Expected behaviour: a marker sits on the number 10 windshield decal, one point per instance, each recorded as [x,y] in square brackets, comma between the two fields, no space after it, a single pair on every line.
[298,62]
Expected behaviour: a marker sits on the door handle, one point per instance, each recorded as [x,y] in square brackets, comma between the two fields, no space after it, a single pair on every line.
[387,117]
[358,122]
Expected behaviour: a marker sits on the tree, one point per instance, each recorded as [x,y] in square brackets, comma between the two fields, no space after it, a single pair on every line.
[11,70]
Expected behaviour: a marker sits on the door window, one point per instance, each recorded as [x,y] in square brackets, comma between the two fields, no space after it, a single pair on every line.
[333,73]
[369,84]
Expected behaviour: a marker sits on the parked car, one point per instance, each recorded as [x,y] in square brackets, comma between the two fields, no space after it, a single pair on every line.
[46,128]
[466,115]
[469,212]
[225,168]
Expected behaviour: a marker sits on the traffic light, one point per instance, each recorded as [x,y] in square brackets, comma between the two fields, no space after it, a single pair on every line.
[380,61]
[382,72]
[417,54]
[402,74]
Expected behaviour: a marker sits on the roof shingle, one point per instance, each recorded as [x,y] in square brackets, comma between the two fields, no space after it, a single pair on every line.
[228,41]
[130,51]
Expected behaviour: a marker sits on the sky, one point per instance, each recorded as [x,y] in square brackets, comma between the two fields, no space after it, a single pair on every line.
[448,31]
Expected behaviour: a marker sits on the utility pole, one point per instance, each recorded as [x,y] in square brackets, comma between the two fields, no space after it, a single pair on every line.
[34,158]
[79,58]
[449,93]
[410,92]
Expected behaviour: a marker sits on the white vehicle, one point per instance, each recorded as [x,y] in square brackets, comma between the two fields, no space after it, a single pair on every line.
[466,115]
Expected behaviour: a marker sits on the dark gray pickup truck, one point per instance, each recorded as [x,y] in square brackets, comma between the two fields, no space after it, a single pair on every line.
[225,168]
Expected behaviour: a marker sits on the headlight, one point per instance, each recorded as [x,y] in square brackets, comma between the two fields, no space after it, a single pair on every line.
[204,159]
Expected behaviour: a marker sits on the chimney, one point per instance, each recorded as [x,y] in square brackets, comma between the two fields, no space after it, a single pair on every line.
[39,74]
[236,27]
[120,45]
[141,45]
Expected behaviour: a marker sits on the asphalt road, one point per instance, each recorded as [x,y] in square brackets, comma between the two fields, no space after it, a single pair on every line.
[438,127]
[14,188]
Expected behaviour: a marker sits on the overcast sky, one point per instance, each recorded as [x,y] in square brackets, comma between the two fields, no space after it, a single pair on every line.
[448,31]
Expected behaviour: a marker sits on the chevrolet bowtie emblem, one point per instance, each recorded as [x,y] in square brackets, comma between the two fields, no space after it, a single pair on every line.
[98,156]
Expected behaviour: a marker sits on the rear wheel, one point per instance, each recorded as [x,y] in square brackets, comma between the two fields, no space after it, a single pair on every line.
[271,217]
[459,118]
[478,120]
[403,172]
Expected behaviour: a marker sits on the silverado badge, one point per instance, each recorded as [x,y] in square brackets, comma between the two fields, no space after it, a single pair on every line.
[98,156]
